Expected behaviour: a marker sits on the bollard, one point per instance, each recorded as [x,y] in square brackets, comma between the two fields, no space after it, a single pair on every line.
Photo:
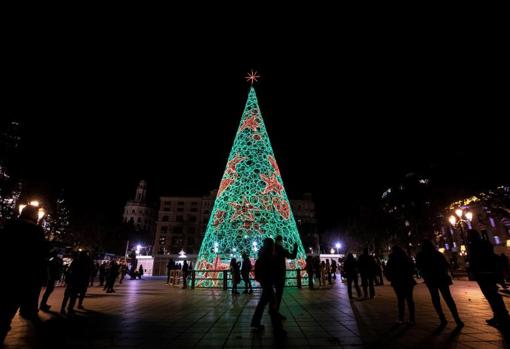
[192,279]
[225,275]
[298,276]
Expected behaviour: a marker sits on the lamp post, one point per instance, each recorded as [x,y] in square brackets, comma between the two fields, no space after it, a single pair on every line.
[463,217]
[338,247]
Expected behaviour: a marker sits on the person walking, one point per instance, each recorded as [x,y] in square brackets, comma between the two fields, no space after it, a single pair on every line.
[77,281]
[54,273]
[400,272]
[265,274]
[123,271]
[485,267]
[351,274]
[281,255]
[112,276]
[317,269]
[333,269]
[367,270]
[245,274]
[434,269]
[93,274]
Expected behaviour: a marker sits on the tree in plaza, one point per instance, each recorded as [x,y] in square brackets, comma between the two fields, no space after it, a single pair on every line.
[251,203]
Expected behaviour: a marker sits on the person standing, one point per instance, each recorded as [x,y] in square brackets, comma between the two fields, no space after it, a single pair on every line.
[245,274]
[400,271]
[54,273]
[112,276]
[434,269]
[235,271]
[281,254]
[328,271]
[140,271]
[367,270]
[333,269]
[351,274]
[102,273]
[185,268]
[93,274]
[169,267]
[485,266]
[24,283]
[317,269]
[123,271]
[265,274]
[309,270]
[77,281]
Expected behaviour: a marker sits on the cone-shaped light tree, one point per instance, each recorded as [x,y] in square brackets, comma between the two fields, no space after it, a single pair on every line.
[251,203]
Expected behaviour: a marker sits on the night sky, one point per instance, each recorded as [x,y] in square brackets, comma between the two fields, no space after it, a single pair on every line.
[345,122]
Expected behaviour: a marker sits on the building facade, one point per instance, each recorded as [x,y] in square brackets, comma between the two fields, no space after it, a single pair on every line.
[140,214]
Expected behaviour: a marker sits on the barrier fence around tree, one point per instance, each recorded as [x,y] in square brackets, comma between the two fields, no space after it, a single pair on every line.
[222,279]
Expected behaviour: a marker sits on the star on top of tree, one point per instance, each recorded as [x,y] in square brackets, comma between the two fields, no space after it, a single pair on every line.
[252,77]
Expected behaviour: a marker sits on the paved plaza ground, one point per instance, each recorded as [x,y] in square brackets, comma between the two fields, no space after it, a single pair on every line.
[150,314]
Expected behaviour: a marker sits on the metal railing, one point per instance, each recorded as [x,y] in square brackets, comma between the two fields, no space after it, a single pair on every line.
[193,279]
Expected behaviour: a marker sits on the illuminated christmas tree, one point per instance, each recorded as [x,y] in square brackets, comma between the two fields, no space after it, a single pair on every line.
[251,203]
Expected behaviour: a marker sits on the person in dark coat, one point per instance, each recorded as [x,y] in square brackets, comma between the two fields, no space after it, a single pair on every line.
[102,273]
[351,274]
[140,272]
[309,270]
[54,272]
[434,269]
[26,280]
[77,280]
[367,270]
[93,274]
[265,274]
[316,261]
[112,274]
[485,267]
[281,254]
[235,271]
[245,274]
[400,272]
[333,269]
[185,268]
[169,267]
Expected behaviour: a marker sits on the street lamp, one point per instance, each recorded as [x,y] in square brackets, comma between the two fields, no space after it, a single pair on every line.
[338,247]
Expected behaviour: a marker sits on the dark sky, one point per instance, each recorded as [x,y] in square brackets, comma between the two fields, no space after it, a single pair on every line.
[345,120]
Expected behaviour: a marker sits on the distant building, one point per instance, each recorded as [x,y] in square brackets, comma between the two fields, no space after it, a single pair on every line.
[140,214]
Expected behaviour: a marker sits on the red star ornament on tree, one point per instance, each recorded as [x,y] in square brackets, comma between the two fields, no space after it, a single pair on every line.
[232,164]
[282,207]
[244,211]
[272,184]
[274,165]
[252,123]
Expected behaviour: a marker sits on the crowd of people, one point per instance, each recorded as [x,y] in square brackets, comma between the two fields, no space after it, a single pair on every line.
[485,267]
[48,270]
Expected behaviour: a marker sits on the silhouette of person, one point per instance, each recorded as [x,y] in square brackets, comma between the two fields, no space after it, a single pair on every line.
[328,271]
[317,269]
[54,273]
[265,274]
[93,274]
[102,273]
[235,271]
[245,274]
[434,269]
[123,271]
[485,267]
[112,276]
[140,272]
[281,268]
[25,282]
[333,269]
[400,272]
[351,274]
[309,270]
[169,267]
[367,270]
[77,280]
[185,268]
